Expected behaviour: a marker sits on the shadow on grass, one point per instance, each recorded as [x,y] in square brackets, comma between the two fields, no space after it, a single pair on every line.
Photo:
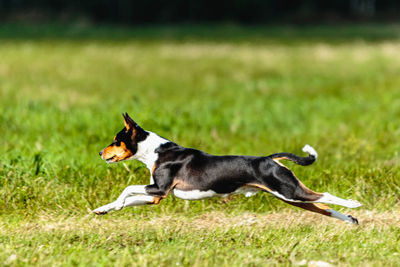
[289,34]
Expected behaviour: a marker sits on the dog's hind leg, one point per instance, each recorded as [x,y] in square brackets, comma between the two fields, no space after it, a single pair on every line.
[330,199]
[324,210]
[286,186]
[282,183]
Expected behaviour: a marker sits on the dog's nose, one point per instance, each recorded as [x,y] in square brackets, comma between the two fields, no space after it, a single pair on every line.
[101,153]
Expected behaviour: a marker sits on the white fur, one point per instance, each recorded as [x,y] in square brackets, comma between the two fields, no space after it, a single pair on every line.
[130,201]
[247,191]
[133,189]
[310,150]
[146,148]
[121,200]
[278,195]
[138,200]
[340,216]
[329,199]
[126,200]
[105,209]
[326,198]
[194,194]
[146,154]
[197,194]
[283,197]
[129,191]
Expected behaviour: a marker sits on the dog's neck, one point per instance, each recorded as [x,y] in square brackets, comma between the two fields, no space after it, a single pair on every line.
[146,149]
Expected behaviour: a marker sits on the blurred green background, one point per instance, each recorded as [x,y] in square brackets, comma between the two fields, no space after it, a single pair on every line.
[269,91]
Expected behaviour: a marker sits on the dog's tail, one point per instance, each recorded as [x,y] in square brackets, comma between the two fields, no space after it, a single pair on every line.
[304,161]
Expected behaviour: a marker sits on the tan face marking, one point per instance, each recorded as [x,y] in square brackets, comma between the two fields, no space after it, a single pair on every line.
[114,153]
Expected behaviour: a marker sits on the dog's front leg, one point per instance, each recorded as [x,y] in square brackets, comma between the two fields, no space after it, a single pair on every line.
[120,202]
[141,200]
[130,201]
[129,191]
[105,209]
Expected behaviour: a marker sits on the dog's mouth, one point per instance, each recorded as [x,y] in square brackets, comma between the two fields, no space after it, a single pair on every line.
[110,160]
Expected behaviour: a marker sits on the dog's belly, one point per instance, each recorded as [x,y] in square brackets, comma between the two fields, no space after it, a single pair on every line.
[197,194]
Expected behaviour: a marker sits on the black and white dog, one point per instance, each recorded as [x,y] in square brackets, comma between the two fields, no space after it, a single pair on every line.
[192,174]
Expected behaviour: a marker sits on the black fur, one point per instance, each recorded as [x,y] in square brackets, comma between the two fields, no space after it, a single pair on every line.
[198,170]
[304,161]
[131,137]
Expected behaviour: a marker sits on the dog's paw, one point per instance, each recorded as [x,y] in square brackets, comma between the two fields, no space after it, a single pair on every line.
[99,212]
[103,209]
[354,220]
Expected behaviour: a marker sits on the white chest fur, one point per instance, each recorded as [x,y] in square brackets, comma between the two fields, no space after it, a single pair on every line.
[146,150]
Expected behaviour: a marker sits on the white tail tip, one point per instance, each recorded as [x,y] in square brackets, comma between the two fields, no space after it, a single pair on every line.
[310,150]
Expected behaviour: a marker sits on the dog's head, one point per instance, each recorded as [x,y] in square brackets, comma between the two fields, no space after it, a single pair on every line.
[125,144]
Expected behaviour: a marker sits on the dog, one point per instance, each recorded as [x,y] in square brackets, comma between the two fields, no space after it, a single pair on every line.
[192,174]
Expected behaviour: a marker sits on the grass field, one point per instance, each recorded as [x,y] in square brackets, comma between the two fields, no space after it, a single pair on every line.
[225,90]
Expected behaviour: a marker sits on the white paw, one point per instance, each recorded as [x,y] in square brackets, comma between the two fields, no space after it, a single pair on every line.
[104,209]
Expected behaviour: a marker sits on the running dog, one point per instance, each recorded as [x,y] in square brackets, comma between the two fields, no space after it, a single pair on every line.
[193,174]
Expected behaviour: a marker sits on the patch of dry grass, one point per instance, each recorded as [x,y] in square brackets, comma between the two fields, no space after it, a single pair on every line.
[205,221]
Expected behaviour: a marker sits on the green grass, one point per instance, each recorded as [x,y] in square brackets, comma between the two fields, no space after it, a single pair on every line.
[225,90]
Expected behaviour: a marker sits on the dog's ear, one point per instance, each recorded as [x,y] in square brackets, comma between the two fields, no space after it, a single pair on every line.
[136,132]
[129,123]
